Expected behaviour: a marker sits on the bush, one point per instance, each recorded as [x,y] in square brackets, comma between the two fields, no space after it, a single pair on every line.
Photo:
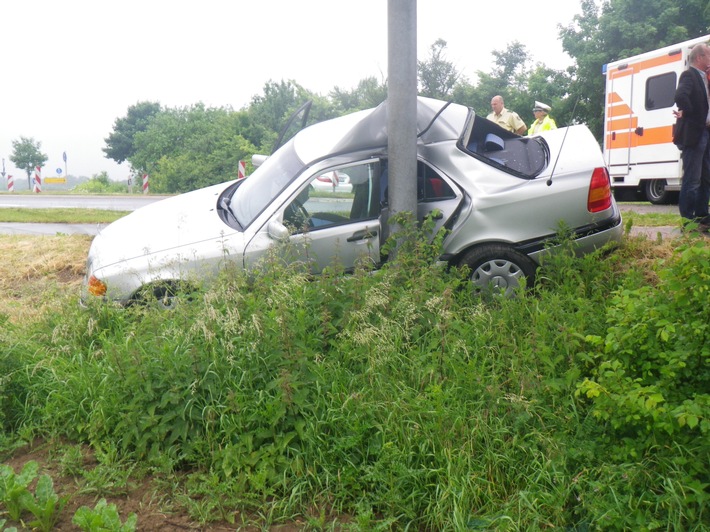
[649,383]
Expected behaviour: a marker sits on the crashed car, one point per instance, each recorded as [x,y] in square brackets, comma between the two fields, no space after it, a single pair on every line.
[501,198]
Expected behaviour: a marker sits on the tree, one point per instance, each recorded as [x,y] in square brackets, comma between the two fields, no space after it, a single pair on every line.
[369,93]
[271,110]
[514,79]
[512,65]
[191,147]
[26,154]
[120,143]
[437,76]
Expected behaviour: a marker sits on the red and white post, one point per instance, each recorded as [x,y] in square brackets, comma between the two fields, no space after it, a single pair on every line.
[145,184]
[38,180]
[10,183]
[242,170]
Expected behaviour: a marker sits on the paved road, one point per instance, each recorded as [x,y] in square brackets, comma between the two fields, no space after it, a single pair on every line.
[76,201]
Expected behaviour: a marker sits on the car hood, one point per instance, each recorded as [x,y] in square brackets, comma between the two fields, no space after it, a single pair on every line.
[162,226]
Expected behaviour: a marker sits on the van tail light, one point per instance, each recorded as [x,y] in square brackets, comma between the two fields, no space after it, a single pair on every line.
[96,287]
[599,198]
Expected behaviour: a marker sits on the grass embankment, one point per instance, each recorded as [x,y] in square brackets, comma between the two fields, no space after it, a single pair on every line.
[378,401]
[69,216]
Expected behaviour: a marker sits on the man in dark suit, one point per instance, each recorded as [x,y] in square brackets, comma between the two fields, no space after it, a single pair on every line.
[692,136]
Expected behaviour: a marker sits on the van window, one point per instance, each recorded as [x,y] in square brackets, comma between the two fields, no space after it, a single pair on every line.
[660,91]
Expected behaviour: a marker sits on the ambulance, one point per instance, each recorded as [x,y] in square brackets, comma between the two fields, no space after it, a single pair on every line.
[638,123]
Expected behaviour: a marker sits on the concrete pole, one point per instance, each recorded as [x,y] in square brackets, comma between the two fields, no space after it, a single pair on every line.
[402,106]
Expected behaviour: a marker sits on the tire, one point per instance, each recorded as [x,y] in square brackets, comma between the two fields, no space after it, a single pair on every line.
[499,269]
[656,193]
[165,296]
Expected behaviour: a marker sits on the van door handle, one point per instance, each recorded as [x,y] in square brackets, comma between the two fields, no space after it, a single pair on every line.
[363,234]
[639,131]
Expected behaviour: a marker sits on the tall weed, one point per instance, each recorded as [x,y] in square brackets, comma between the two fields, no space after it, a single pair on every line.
[397,396]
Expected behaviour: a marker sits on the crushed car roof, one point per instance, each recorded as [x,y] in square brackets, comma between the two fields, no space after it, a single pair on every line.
[367,130]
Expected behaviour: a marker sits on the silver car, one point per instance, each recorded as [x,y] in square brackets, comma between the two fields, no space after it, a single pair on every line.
[501,197]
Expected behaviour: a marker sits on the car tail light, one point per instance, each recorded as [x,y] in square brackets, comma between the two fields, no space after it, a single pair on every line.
[96,286]
[599,198]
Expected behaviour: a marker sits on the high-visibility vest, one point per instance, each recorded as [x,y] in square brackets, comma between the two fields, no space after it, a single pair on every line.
[547,124]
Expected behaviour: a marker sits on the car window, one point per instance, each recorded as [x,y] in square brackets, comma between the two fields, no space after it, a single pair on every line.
[431,186]
[265,184]
[336,197]
[525,157]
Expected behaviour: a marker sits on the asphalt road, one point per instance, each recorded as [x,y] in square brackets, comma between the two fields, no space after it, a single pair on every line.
[76,201]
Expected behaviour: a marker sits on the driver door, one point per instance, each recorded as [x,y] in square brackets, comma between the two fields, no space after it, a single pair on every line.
[327,224]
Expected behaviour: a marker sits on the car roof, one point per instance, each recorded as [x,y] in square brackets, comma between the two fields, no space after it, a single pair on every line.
[437,121]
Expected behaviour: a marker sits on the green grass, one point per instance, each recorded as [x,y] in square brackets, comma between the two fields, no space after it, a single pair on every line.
[73,216]
[396,399]
[651,219]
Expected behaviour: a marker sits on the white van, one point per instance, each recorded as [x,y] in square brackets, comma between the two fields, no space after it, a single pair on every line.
[638,122]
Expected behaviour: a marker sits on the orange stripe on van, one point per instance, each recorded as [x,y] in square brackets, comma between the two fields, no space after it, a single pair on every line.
[613,97]
[623,123]
[629,139]
[620,110]
[643,65]
[619,140]
[656,135]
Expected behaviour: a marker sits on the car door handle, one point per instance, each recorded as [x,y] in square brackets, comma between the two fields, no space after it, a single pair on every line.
[364,234]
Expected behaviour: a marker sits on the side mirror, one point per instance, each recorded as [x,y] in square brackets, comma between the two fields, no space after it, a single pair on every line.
[278,231]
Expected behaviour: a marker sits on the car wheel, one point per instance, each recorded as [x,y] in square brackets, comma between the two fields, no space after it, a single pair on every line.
[656,192]
[163,296]
[498,269]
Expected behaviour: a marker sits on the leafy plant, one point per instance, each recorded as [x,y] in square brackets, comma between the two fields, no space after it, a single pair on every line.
[14,488]
[103,518]
[45,504]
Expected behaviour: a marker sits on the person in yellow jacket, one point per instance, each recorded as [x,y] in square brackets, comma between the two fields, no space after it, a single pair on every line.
[542,122]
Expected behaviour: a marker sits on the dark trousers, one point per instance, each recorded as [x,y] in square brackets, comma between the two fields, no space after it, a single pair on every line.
[695,186]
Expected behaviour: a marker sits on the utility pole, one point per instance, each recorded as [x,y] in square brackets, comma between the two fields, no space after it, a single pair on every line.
[402,106]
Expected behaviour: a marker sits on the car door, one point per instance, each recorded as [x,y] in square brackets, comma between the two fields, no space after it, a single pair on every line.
[322,227]
[436,196]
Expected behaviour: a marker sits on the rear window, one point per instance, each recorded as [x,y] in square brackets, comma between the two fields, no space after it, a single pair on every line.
[524,157]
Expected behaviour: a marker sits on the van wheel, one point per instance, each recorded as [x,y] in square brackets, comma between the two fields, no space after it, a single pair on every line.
[498,269]
[656,192]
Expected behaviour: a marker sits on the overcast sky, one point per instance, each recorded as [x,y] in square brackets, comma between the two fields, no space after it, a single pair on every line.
[70,68]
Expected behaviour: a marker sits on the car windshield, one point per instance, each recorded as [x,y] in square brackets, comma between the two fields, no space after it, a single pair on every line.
[267,182]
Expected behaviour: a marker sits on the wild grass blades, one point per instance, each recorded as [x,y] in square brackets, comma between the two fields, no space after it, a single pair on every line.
[397,398]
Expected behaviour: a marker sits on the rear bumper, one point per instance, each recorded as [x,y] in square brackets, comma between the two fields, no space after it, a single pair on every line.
[586,239]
